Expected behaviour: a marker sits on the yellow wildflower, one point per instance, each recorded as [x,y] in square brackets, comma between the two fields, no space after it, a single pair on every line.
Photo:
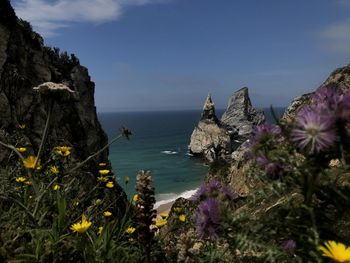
[126,179]
[130,230]
[21,179]
[336,251]
[177,209]
[21,149]
[100,229]
[102,164]
[82,226]
[110,184]
[63,150]
[160,222]
[107,213]
[56,187]
[104,172]
[182,218]
[54,169]
[29,162]
[135,198]
[164,215]
[28,183]
[21,126]
[102,179]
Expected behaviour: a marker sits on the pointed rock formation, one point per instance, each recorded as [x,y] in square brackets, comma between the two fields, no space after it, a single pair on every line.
[241,115]
[209,110]
[209,139]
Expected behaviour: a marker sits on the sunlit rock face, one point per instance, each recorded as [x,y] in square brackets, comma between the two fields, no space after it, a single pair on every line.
[241,115]
[209,139]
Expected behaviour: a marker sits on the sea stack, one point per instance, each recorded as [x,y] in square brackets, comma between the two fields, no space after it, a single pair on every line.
[215,139]
[209,139]
[240,114]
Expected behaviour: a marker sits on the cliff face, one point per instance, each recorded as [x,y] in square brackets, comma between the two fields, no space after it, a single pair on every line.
[25,63]
[241,115]
[339,78]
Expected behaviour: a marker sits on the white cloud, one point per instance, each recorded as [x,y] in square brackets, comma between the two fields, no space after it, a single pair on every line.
[48,16]
[337,37]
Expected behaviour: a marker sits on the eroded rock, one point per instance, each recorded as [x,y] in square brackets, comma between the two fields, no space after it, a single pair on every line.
[208,138]
[241,115]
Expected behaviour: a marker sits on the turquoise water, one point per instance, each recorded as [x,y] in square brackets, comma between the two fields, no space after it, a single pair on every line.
[159,144]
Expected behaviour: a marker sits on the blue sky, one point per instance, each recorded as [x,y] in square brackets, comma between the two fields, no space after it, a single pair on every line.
[169,54]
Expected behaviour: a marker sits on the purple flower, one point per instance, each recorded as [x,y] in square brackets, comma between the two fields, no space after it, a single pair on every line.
[275,170]
[260,133]
[328,96]
[228,193]
[288,245]
[208,219]
[201,192]
[213,185]
[343,110]
[332,100]
[266,129]
[315,130]
[207,189]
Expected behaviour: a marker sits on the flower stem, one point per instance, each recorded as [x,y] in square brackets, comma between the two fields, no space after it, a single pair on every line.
[13,148]
[94,155]
[43,139]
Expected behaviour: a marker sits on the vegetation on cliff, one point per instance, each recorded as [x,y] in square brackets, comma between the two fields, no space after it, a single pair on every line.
[61,202]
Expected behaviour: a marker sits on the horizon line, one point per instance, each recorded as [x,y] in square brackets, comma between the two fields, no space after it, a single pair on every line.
[173,110]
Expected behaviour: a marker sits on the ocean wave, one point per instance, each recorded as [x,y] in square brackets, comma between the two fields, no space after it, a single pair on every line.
[171,197]
[169,152]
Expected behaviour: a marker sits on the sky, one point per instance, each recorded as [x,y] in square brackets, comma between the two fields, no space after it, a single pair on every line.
[149,55]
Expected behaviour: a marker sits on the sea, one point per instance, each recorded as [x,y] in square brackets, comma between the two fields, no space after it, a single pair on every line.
[159,144]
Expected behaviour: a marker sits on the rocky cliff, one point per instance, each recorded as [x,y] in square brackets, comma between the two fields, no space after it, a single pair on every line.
[240,114]
[215,139]
[25,63]
[339,78]
[208,138]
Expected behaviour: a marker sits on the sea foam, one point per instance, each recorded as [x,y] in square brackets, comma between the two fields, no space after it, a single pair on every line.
[170,197]
[169,152]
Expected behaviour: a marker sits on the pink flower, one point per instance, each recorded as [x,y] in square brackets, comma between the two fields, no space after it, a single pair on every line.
[315,131]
